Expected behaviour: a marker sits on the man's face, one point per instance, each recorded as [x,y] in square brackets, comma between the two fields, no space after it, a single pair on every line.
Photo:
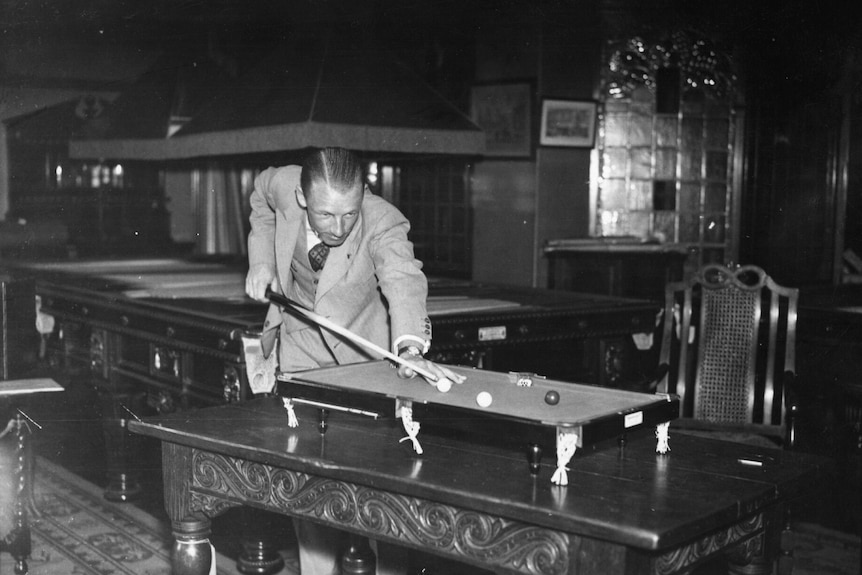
[331,213]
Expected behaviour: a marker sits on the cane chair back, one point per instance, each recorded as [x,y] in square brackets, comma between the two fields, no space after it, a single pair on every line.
[728,351]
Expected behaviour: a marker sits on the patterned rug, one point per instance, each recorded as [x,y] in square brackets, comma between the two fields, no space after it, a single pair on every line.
[78,532]
[821,551]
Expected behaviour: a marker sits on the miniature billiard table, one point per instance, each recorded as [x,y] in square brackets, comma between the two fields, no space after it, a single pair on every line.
[516,409]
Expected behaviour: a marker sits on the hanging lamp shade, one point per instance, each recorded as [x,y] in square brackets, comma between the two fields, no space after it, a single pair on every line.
[83,117]
[313,96]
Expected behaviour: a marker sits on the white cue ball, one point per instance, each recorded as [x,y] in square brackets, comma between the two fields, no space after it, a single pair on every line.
[484,399]
[444,384]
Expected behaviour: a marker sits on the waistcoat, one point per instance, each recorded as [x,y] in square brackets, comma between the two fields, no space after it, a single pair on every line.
[305,279]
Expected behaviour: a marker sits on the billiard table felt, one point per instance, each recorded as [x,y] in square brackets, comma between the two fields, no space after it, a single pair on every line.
[578,404]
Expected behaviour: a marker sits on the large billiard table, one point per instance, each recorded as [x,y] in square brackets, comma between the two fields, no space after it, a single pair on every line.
[167,333]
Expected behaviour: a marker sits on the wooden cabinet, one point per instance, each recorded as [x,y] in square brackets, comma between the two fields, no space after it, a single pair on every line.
[619,268]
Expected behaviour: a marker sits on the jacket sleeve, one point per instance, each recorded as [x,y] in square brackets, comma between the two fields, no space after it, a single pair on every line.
[400,277]
[273,189]
[261,238]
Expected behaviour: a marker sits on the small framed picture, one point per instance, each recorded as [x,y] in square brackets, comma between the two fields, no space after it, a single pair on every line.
[504,111]
[568,123]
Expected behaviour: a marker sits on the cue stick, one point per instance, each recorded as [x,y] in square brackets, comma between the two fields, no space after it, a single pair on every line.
[353,410]
[324,322]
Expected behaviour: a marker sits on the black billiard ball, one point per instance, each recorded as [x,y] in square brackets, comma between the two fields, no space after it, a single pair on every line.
[552,398]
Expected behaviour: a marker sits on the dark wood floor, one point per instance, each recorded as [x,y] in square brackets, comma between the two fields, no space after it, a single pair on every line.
[71,434]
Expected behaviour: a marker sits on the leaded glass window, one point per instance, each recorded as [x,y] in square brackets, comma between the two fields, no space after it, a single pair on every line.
[666,145]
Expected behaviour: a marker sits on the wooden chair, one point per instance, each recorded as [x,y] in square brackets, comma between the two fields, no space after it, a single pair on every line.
[734,369]
[728,351]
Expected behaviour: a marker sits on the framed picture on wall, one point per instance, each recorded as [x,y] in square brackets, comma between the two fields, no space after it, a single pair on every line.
[568,123]
[504,113]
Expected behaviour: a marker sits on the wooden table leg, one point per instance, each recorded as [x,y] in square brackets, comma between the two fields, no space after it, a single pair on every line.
[259,554]
[192,552]
[123,484]
[359,559]
[751,557]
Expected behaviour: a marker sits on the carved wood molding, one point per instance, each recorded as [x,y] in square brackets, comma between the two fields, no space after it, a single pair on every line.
[219,482]
[745,533]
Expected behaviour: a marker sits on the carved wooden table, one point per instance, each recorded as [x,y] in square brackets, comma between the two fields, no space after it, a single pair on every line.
[625,510]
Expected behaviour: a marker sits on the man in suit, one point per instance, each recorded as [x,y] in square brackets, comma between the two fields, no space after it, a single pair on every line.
[319,237]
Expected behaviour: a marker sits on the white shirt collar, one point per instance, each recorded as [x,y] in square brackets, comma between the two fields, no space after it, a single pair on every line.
[311,237]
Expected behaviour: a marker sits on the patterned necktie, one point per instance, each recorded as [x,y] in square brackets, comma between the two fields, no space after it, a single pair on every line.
[317,256]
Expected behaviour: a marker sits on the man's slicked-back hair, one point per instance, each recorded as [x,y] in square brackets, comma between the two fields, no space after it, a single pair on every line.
[338,168]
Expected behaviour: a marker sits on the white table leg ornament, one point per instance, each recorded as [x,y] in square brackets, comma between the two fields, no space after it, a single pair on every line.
[405,410]
[662,438]
[292,420]
[567,443]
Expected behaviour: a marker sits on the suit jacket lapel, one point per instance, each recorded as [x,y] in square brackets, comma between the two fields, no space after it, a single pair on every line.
[292,226]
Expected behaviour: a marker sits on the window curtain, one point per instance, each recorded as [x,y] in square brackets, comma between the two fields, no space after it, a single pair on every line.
[221,219]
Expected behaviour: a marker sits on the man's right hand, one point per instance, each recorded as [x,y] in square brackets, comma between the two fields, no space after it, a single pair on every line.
[260,277]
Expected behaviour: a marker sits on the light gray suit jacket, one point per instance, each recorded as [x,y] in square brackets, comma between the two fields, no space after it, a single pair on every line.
[372,284]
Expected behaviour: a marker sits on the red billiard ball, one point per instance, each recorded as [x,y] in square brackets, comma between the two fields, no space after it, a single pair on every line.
[552,398]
